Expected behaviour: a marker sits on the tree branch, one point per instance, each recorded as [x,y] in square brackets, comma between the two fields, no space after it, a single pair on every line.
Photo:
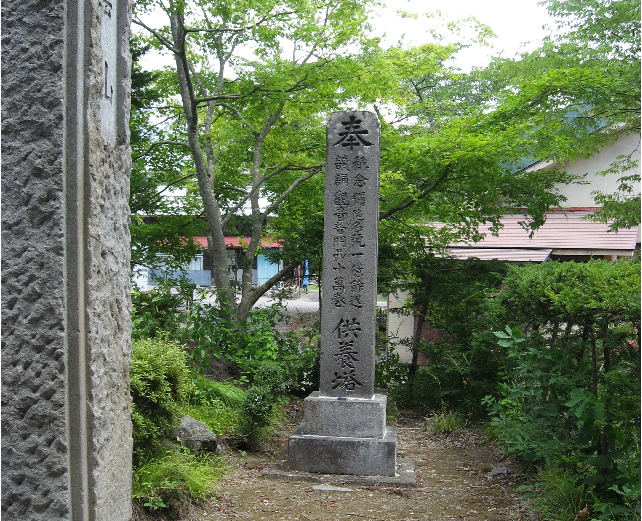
[166,43]
[158,143]
[423,193]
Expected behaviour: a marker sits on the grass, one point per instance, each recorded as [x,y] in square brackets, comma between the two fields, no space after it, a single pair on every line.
[556,495]
[176,476]
[218,418]
[445,422]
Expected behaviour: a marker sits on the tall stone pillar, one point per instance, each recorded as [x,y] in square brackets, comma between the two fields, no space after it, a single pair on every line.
[344,428]
[66,428]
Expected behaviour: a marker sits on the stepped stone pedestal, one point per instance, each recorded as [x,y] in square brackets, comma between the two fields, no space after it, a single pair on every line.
[344,436]
[344,428]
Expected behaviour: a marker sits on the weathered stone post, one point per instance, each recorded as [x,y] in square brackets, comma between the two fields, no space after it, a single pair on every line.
[66,427]
[344,429]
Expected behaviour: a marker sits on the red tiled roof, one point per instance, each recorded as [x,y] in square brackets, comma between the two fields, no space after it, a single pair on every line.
[562,232]
[503,254]
[237,242]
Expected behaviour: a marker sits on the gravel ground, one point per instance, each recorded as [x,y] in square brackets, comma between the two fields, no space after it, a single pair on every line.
[458,477]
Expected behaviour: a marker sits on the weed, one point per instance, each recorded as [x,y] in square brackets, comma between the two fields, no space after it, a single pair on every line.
[445,422]
[176,475]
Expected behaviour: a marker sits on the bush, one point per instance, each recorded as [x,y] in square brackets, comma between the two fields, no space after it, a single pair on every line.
[267,388]
[570,398]
[160,311]
[160,386]
[214,332]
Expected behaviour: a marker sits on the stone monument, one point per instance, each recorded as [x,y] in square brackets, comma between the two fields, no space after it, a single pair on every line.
[344,428]
[66,407]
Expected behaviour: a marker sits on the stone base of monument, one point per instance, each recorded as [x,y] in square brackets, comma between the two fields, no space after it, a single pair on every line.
[405,476]
[344,436]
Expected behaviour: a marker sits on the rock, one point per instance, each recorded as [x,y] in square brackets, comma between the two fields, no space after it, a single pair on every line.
[196,436]
[498,471]
[331,488]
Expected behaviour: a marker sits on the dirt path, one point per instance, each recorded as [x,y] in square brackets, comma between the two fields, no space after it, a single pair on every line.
[457,478]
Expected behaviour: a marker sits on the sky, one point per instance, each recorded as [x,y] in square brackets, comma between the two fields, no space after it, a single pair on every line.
[513,21]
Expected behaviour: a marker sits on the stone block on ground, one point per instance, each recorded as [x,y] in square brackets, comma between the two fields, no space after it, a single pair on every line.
[196,436]
[344,455]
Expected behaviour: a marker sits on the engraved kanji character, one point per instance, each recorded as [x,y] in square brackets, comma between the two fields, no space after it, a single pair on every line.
[341,198]
[348,327]
[340,213]
[359,163]
[341,163]
[341,178]
[347,355]
[346,379]
[357,269]
[360,180]
[356,285]
[356,239]
[338,266]
[353,134]
[359,198]
[338,299]
[355,301]
[339,284]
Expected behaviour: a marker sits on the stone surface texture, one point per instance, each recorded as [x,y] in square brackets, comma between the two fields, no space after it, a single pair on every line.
[339,455]
[349,297]
[358,417]
[66,429]
[195,435]
[344,427]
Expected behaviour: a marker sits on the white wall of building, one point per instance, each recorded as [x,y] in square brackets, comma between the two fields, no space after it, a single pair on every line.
[579,196]
[400,326]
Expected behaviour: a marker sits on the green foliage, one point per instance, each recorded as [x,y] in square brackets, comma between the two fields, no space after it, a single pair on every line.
[208,391]
[268,388]
[213,331]
[556,494]
[160,386]
[445,422]
[392,375]
[160,311]
[570,397]
[216,404]
[174,477]
[451,296]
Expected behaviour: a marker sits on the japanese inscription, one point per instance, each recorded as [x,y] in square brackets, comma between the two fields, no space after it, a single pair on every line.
[109,45]
[350,255]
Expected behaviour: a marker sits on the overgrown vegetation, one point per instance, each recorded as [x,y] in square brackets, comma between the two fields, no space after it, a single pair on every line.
[160,386]
[179,339]
[569,398]
[449,299]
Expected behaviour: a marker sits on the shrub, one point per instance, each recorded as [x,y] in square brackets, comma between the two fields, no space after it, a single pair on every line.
[570,398]
[160,386]
[214,332]
[267,389]
[160,311]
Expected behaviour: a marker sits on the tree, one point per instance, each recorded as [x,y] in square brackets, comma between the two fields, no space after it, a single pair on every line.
[467,135]
[252,119]
[456,156]
[159,224]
